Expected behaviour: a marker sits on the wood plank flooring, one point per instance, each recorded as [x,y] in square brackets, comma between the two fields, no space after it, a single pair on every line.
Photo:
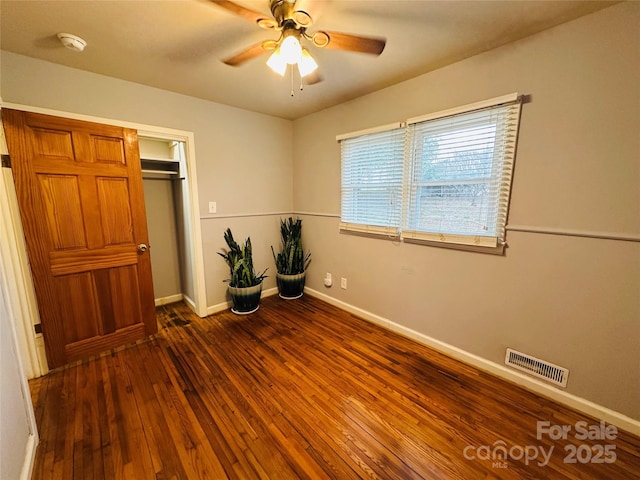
[301,390]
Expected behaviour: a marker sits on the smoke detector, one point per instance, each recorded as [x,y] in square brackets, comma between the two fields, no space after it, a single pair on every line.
[72,42]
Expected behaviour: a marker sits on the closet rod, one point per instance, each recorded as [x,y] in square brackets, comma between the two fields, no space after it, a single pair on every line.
[160,172]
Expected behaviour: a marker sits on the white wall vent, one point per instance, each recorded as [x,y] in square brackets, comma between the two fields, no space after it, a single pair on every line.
[539,368]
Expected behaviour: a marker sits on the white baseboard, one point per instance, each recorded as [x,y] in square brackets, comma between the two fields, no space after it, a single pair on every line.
[269,292]
[220,307]
[578,403]
[191,304]
[29,457]
[170,299]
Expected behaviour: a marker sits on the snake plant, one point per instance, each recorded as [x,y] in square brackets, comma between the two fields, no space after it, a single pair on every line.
[292,259]
[240,262]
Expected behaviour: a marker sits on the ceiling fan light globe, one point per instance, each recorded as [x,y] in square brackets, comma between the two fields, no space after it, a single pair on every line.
[291,50]
[307,64]
[277,62]
[320,39]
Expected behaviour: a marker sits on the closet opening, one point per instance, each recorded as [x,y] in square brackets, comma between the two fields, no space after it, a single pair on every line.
[167,203]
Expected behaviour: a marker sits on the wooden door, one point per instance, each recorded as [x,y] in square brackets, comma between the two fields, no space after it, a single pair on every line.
[79,188]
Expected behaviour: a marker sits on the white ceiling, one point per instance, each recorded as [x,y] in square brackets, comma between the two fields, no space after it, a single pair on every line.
[178,45]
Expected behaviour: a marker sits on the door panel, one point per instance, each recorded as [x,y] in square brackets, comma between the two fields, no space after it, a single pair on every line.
[61,199]
[108,150]
[113,198]
[123,282]
[65,287]
[52,144]
[80,194]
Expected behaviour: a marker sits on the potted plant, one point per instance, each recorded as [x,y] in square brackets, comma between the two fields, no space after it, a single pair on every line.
[245,287]
[292,261]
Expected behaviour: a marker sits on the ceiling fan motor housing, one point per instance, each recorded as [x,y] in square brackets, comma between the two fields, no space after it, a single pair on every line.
[281,10]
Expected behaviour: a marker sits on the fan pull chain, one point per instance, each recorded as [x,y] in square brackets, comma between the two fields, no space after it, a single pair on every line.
[292,80]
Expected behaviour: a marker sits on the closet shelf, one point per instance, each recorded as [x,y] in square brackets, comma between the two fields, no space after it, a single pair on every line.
[159,168]
[157,159]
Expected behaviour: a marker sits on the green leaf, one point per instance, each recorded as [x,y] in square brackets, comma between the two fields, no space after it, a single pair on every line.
[291,259]
[240,262]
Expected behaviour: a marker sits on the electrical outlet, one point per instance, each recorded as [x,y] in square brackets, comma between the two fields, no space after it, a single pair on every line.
[213,208]
[343,283]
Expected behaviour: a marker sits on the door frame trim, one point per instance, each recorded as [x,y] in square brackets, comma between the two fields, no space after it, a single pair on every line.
[28,342]
[21,299]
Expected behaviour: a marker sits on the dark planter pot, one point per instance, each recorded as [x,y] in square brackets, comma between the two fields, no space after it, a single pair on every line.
[290,286]
[245,300]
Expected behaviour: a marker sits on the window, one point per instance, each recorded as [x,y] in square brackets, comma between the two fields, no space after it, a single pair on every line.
[452,184]
[372,180]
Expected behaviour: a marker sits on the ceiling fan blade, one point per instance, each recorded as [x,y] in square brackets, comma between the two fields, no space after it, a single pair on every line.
[247,54]
[355,43]
[246,13]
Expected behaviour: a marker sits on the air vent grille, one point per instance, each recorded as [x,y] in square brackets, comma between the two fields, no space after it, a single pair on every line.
[539,368]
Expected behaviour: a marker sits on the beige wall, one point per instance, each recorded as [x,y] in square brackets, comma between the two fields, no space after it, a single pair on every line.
[572,301]
[228,140]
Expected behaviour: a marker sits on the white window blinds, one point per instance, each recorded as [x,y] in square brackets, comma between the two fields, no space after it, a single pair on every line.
[372,180]
[459,179]
[443,178]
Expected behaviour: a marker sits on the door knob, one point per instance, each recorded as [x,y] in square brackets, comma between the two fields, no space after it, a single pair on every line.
[143,248]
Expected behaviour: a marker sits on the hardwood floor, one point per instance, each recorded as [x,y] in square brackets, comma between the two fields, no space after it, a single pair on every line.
[301,390]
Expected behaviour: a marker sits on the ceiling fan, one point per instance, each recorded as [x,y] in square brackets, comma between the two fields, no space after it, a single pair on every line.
[292,25]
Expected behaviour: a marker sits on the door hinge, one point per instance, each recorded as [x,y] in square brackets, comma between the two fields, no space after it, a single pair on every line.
[6,161]
[37,328]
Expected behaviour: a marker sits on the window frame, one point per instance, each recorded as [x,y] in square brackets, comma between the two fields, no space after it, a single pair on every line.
[499,188]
